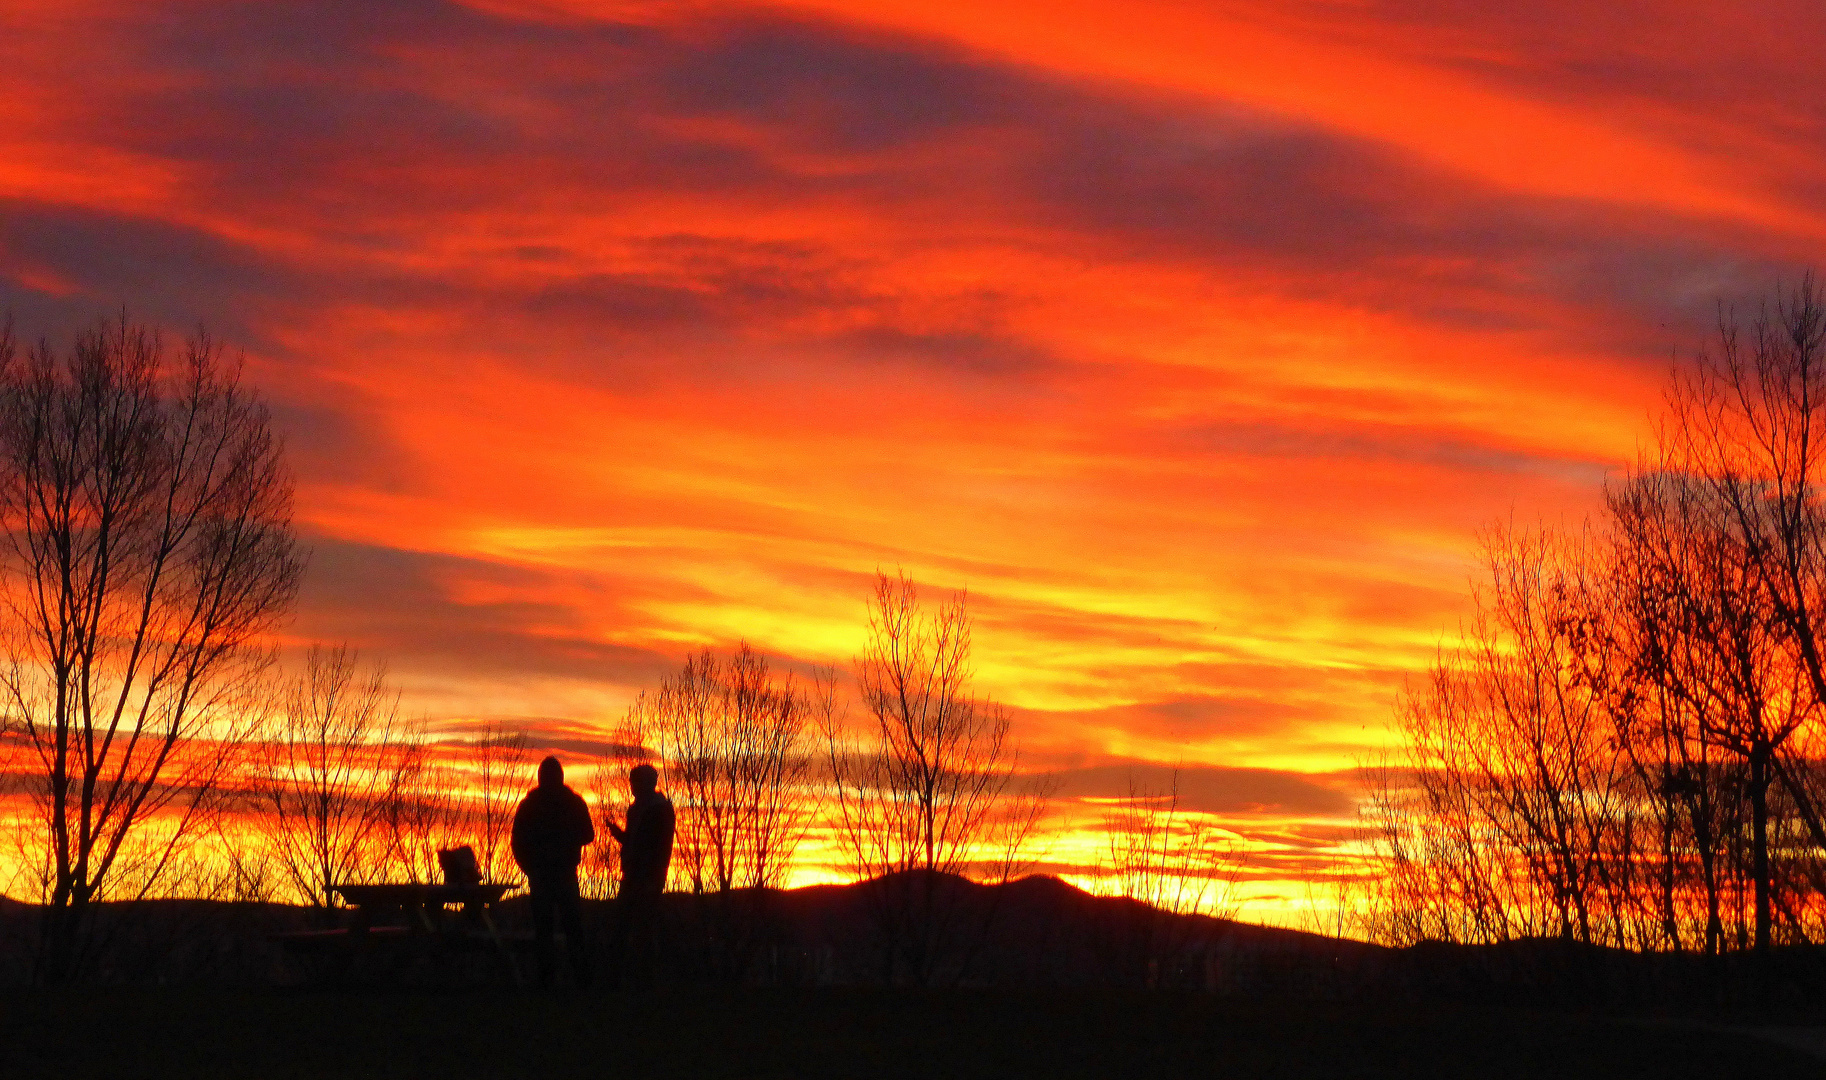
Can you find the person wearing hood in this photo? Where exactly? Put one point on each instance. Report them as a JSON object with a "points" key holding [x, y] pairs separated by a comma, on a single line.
{"points": [[551, 829]]}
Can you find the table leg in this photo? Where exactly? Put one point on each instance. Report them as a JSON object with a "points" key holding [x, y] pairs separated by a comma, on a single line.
{"points": [[513, 969], [423, 912]]}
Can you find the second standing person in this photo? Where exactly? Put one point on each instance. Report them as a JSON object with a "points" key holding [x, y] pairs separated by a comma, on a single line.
{"points": [[646, 855]]}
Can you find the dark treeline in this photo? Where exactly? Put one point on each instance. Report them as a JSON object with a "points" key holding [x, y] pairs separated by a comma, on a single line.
{"points": [[1624, 748]]}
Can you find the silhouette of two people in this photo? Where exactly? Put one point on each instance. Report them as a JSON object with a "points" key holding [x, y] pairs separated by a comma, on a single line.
{"points": [[551, 829], [646, 854]]}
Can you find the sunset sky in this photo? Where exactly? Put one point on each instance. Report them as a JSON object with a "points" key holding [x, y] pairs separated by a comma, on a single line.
{"points": [[1196, 340]]}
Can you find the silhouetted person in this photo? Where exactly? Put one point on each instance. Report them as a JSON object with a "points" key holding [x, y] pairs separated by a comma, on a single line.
{"points": [[551, 829], [646, 854]]}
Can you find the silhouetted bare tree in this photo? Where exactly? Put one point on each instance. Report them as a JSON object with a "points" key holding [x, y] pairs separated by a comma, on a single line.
{"points": [[1688, 791], [427, 806], [501, 768], [932, 791], [1515, 803], [732, 734], [147, 512], [334, 776], [1713, 647], [1170, 864], [1626, 747], [1730, 512]]}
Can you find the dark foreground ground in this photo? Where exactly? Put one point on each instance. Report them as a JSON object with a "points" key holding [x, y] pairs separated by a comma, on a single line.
{"points": [[838, 1033]]}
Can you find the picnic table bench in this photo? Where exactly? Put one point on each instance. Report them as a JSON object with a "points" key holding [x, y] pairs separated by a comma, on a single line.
{"points": [[412, 916]]}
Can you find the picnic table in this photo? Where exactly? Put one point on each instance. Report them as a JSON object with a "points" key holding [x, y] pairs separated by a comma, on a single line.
{"points": [[414, 916], [421, 905]]}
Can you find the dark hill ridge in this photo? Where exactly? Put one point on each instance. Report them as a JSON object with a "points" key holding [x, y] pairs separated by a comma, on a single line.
{"points": [[1039, 930], [1033, 932]]}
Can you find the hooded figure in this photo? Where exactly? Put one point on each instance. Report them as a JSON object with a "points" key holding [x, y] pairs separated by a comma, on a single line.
{"points": [[551, 829]]}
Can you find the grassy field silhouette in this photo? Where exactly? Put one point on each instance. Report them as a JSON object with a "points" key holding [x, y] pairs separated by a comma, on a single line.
{"points": [[848, 1033]]}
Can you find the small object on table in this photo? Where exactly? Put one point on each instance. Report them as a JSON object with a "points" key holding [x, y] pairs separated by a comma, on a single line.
{"points": [[459, 866]]}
